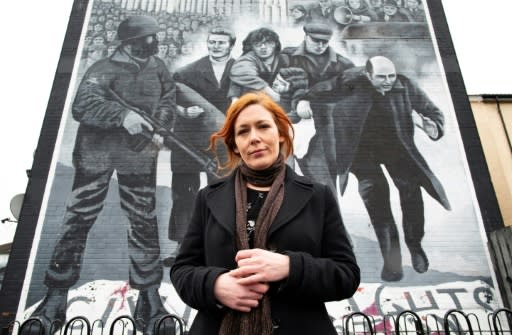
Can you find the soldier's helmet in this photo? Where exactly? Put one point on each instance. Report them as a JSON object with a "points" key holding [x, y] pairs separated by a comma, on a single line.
{"points": [[137, 26]]}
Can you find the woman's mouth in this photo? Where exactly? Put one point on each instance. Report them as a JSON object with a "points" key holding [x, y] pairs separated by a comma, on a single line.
{"points": [[257, 153]]}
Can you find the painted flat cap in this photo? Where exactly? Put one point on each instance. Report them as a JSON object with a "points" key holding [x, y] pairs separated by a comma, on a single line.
{"points": [[318, 31], [137, 26]]}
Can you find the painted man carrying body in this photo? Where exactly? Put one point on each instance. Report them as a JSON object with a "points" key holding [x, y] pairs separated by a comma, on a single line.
{"points": [[208, 77], [375, 127]]}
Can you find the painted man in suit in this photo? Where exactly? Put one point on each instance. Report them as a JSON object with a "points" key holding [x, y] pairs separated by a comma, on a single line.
{"points": [[209, 77], [375, 128]]}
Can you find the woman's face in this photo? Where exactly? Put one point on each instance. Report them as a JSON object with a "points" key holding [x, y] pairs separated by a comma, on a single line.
{"points": [[264, 49], [257, 138]]}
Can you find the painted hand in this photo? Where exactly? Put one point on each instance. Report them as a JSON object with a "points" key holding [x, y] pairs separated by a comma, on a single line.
{"points": [[304, 109], [193, 112], [134, 123], [430, 128]]}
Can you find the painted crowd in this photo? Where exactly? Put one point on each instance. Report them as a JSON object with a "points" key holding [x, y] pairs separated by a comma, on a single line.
{"points": [[179, 32]]}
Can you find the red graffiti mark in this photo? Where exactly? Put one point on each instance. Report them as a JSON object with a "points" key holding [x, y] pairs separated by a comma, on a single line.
{"points": [[122, 292], [371, 310], [384, 327]]}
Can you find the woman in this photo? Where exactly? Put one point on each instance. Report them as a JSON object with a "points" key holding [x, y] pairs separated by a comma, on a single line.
{"points": [[271, 273], [257, 68]]}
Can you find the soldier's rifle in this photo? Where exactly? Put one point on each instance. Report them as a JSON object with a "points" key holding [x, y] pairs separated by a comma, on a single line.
{"points": [[169, 138]]}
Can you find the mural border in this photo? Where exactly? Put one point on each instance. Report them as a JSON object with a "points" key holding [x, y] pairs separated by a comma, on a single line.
{"points": [[34, 194]]}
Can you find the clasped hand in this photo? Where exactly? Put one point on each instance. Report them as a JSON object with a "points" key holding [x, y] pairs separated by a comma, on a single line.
{"points": [[242, 289]]}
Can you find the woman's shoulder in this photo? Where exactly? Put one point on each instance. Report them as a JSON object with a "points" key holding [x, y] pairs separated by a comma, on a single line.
{"points": [[218, 183]]}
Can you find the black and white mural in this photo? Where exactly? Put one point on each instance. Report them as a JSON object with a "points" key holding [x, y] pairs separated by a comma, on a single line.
{"points": [[363, 82]]}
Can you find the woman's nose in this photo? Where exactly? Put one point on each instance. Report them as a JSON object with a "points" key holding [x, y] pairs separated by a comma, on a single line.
{"points": [[254, 137]]}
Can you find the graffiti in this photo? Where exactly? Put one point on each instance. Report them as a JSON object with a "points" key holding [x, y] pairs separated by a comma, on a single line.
{"points": [[95, 301], [392, 301]]}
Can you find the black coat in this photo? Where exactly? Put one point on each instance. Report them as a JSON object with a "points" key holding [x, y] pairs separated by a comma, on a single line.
{"points": [[308, 228]]}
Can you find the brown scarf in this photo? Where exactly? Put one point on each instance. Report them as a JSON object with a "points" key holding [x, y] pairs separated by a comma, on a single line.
{"points": [[258, 321]]}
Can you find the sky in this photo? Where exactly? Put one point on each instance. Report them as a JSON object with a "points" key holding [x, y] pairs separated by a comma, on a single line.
{"points": [[32, 33]]}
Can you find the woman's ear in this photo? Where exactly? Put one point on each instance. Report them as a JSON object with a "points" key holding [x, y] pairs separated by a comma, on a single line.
{"points": [[235, 150]]}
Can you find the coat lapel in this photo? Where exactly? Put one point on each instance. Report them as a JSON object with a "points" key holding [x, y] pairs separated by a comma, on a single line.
{"points": [[221, 201], [205, 67], [297, 192], [225, 76]]}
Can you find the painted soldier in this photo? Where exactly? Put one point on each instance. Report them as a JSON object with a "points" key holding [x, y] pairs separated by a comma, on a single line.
{"points": [[110, 105]]}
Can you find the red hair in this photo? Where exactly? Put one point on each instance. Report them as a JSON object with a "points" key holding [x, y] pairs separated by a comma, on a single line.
{"points": [[227, 132]]}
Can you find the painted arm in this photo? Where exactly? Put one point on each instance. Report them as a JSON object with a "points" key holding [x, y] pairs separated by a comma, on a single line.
{"points": [[92, 105], [432, 117]]}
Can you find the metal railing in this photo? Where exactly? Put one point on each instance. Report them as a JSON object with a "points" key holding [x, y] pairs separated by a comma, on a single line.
{"points": [[454, 322]]}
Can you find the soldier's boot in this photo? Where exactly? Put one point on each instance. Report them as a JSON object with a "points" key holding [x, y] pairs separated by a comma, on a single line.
{"points": [[51, 312], [149, 310]]}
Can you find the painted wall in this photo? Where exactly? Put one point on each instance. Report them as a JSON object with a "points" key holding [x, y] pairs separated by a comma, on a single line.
{"points": [[459, 274]]}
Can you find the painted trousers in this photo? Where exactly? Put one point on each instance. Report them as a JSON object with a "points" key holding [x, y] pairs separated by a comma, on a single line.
{"points": [[374, 190], [319, 163], [138, 201]]}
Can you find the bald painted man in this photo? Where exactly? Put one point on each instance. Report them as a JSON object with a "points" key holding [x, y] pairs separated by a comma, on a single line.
{"points": [[374, 127]]}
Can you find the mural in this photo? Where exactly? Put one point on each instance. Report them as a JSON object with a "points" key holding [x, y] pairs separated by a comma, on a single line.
{"points": [[374, 120]]}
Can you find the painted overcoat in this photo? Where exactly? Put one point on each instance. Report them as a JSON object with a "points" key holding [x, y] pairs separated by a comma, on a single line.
{"points": [[308, 228], [405, 97], [249, 73], [200, 77], [196, 85]]}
